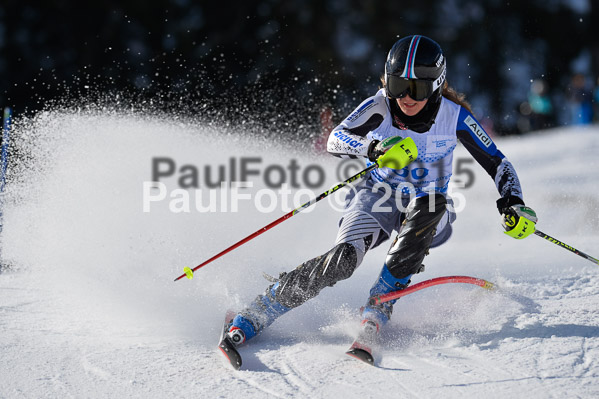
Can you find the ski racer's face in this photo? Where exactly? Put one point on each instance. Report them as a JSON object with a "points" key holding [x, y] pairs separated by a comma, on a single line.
{"points": [[409, 106]]}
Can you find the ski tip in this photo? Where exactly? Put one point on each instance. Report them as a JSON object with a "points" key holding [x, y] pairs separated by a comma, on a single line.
{"points": [[362, 355], [228, 350], [188, 272]]}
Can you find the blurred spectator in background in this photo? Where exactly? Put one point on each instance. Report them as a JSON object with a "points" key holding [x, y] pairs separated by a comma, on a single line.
{"points": [[537, 112], [326, 126], [579, 97]]}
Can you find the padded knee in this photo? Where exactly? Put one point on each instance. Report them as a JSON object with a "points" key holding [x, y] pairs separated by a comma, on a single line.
{"points": [[309, 278], [414, 239]]}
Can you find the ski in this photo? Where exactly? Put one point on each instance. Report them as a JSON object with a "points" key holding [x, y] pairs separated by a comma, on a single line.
{"points": [[361, 349], [361, 352], [226, 345]]}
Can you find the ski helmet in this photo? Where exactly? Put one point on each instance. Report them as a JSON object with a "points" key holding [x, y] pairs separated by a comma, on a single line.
{"points": [[415, 66]]}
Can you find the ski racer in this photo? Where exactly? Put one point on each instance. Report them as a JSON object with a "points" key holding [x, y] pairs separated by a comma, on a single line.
{"points": [[416, 101]]}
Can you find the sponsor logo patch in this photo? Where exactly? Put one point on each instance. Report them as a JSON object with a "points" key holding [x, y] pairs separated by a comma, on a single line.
{"points": [[347, 139], [440, 144], [439, 61], [440, 79], [478, 131]]}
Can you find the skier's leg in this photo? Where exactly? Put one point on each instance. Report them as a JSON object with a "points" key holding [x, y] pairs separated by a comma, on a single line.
{"points": [[407, 252], [294, 288], [357, 232], [386, 282]]}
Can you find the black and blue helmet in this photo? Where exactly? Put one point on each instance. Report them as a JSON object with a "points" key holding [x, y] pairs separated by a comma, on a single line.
{"points": [[415, 66]]}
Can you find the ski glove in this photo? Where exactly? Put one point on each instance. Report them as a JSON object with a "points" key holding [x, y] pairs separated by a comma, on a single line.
{"points": [[518, 220], [377, 148]]}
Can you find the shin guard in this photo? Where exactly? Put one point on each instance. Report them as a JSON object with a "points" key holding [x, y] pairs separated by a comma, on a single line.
{"points": [[416, 234]]}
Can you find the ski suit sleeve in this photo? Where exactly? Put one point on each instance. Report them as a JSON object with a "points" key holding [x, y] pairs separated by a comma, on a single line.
{"points": [[478, 143], [349, 140]]}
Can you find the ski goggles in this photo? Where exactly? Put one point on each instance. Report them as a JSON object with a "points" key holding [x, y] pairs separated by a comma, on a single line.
{"points": [[418, 89]]}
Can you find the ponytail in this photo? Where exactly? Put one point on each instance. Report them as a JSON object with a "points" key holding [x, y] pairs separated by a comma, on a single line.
{"points": [[459, 98]]}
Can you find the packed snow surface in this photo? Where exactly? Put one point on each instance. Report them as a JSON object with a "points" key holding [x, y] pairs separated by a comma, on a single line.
{"points": [[89, 308]]}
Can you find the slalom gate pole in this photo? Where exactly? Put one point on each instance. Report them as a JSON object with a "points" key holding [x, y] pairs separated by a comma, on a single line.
{"points": [[377, 300], [398, 157], [566, 246]]}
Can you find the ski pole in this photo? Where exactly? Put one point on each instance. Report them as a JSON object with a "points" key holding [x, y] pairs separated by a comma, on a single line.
{"points": [[566, 246], [397, 157]]}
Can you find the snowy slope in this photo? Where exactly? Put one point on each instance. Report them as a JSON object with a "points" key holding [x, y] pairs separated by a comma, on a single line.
{"points": [[89, 307]]}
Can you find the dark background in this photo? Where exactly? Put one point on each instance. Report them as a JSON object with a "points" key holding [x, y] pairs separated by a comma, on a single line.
{"points": [[276, 65]]}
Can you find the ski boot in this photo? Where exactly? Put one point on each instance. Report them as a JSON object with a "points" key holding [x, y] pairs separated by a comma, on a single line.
{"points": [[245, 325], [374, 317]]}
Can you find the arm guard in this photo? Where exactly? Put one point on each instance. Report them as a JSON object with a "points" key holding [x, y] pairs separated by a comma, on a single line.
{"points": [[349, 139]]}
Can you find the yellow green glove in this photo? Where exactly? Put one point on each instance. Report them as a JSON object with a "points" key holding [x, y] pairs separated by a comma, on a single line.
{"points": [[378, 148], [519, 221]]}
